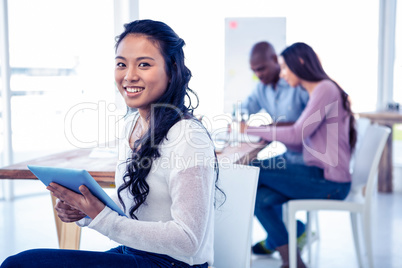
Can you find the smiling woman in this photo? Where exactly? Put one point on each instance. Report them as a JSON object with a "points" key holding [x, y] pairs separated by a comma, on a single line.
{"points": [[165, 182]]}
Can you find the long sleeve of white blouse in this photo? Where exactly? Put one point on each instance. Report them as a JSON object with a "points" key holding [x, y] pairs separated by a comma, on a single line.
{"points": [[177, 217]]}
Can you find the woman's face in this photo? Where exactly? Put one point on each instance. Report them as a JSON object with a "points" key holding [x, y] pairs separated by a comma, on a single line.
{"points": [[140, 72], [287, 74]]}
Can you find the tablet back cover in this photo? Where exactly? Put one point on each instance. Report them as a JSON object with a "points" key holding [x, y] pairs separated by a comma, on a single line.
{"points": [[73, 179]]}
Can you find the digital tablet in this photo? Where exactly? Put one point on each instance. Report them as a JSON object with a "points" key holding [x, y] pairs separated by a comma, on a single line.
{"points": [[73, 179]]}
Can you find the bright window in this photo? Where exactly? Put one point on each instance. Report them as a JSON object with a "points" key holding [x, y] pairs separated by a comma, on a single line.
{"points": [[61, 56], [398, 55]]}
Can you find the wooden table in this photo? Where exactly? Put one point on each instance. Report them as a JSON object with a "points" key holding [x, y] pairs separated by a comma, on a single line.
{"points": [[387, 118], [103, 171], [101, 168]]}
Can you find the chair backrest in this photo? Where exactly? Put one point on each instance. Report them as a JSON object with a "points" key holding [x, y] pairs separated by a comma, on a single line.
{"points": [[367, 158], [362, 124], [234, 219]]}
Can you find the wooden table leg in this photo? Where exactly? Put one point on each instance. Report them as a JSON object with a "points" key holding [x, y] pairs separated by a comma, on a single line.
{"points": [[68, 234], [385, 169]]}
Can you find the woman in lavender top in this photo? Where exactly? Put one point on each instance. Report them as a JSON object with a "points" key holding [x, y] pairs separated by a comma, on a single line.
{"points": [[326, 132]]}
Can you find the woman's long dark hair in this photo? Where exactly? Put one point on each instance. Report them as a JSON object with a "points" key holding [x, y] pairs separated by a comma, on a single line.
{"points": [[165, 112], [304, 63]]}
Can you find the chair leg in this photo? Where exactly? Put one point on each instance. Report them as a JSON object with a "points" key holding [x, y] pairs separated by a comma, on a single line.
{"points": [[311, 219], [309, 235], [285, 214], [356, 238], [367, 237], [317, 227], [292, 237]]}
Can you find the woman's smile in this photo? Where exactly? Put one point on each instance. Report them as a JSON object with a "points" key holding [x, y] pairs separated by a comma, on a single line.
{"points": [[134, 89]]}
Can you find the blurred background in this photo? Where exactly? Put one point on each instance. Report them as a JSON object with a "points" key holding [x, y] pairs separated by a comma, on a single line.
{"points": [[62, 94], [61, 56]]}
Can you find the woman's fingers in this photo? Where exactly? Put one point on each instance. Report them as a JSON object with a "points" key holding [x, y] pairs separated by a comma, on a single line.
{"points": [[59, 191], [94, 205], [62, 206], [65, 194], [70, 218], [67, 213], [87, 202], [67, 207]]}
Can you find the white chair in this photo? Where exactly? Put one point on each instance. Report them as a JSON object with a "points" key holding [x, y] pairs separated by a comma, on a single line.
{"points": [[234, 219], [365, 173], [311, 217]]}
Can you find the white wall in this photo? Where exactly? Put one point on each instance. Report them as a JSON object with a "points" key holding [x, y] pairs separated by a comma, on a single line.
{"points": [[240, 35], [344, 34]]}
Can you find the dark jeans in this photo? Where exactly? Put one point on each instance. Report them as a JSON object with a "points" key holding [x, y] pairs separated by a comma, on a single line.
{"points": [[281, 181], [120, 257], [300, 229]]}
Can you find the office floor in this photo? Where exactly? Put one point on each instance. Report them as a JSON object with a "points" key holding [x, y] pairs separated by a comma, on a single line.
{"points": [[27, 222], [335, 248]]}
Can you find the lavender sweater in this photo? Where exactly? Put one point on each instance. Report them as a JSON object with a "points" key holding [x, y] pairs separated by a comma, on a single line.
{"points": [[322, 130]]}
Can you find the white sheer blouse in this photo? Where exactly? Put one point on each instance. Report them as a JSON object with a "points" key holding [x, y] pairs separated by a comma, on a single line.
{"points": [[177, 218]]}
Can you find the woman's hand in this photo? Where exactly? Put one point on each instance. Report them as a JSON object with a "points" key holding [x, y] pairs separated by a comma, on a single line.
{"points": [[86, 203], [67, 213], [242, 127]]}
